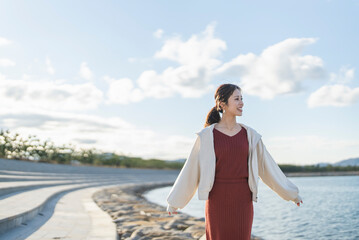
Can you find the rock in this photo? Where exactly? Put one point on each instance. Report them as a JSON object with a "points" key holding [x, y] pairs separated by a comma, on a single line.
{"points": [[196, 231], [177, 224], [149, 233], [203, 237], [140, 223], [170, 238], [146, 214]]}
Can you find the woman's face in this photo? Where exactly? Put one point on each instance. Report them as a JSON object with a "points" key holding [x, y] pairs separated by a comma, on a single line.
{"points": [[235, 104]]}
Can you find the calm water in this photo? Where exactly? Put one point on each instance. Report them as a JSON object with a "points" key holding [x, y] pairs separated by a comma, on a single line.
{"points": [[330, 209]]}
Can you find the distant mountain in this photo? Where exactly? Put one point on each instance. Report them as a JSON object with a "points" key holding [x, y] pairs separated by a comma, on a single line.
{"points": [[181, 160], [348, 162], [343, 163], [323, 164]]}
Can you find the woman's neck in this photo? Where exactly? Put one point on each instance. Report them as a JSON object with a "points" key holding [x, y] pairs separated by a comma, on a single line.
{"points": [[228, 122]]}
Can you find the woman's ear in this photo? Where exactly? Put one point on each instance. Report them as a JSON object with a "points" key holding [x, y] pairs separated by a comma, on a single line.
{"points": [[222, 105]]}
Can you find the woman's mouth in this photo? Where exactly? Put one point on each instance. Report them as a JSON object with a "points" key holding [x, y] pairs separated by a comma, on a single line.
{"points": [[240, 109]]}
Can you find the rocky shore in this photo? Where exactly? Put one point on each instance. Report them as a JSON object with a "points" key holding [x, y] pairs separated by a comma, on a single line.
{"points": [[138, 219]]}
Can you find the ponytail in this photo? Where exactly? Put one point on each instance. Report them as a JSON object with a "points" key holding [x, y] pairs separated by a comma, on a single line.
{"points": [[212, 117]]}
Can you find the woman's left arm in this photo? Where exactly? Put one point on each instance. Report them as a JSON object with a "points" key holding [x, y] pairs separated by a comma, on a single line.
{"points": [[273, 177]]}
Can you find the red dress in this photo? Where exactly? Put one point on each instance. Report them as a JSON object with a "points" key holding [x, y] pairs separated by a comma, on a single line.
{"points": [[229, 208]]}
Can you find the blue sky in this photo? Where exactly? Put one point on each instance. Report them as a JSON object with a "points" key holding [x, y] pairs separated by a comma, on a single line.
{"points": [[138, 77]]}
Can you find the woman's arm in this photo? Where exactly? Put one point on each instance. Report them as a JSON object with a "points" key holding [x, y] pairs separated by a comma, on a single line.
{"points": [[187, 181], [273, 177]]}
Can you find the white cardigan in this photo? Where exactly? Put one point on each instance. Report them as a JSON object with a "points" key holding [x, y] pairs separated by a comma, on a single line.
{"points": [[199, 171]]}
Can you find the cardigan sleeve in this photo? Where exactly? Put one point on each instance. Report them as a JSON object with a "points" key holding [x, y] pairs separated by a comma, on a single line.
{"points": [[273, 177], [187, 181]]}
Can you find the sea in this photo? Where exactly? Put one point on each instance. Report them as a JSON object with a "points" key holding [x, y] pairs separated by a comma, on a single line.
{"points": [[330, 209]]}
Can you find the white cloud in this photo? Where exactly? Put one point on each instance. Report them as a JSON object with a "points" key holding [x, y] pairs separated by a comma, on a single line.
{"points": [[4, 41], [192, 78], [122, 91], [85, 71], [199, 50], [107, 134], [154, 85], [50, 69], [26, 93], [6, 62], [279, 69], [346, 75], [333, 95], [158, 33]]}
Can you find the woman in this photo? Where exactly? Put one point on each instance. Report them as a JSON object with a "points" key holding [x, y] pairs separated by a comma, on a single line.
{"points": [[225, 163]]}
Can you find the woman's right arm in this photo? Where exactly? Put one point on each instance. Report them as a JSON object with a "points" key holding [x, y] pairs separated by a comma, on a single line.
{"points": [[187, 181]]}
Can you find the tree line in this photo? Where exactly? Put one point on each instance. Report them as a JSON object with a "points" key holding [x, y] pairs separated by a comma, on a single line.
{"points": [[13, 146]]}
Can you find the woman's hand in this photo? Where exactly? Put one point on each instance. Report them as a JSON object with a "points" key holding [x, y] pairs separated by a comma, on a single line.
{"points": [[172, 210], [298, 204], [169, 213]]}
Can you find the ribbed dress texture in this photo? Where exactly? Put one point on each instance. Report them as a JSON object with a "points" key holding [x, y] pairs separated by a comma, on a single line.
{"points": [[229, 208]]}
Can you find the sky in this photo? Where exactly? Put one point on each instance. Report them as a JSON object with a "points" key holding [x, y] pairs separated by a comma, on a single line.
{"points": [[138, 77]]}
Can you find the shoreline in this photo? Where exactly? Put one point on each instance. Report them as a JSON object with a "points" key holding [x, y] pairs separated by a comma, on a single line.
{"points": [[322, 174], [137, 218]]}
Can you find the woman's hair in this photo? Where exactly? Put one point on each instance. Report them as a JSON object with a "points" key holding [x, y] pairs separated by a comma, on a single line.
{"points": [[222, 94]]}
